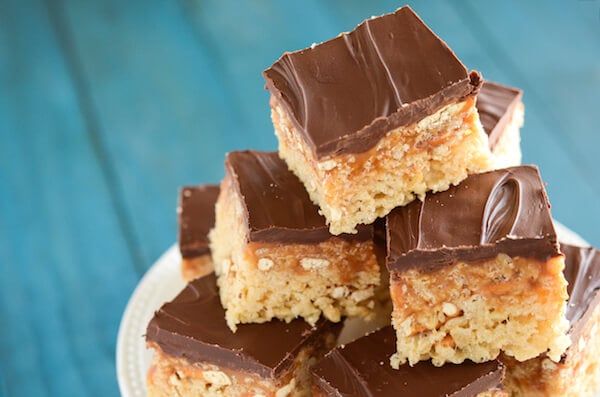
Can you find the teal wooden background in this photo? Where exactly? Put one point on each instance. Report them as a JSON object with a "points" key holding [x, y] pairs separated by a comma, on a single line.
{"points": [[107, 107]]}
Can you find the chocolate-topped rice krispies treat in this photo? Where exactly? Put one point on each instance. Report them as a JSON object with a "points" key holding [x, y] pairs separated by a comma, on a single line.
{"points": [[362, 369], [501, 112], [273, 254], [196, 216], [196, 354], [374, 118], [477, 269]]}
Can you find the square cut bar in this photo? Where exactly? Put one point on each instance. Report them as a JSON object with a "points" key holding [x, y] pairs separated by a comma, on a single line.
{"points": [[196, 215], [477, 269], [274, 255], [501, 112], [376, 117], [196, 354], [362, 369], [578, 372]]}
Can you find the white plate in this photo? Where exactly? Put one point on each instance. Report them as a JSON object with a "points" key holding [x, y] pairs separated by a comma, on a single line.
{"points": [[162, 283]]}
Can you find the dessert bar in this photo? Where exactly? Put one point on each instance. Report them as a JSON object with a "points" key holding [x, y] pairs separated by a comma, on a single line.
{"points": [[362, 369], [273, 254], [374, 118], [477, 269], [196, 213], [578, 372], [501, 112], [197, 354]]}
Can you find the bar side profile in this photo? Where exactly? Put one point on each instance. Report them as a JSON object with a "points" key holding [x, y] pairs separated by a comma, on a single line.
{"points": [[578, 372], [274, 255], [476, 270]]}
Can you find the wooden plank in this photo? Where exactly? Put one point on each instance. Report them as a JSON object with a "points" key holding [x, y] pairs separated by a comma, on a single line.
{"points": [[246, 39], [3, 390], [66, 272], [163, 110]]}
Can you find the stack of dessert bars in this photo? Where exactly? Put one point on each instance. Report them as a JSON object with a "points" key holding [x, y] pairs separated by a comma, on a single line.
{"points": [[392, 246]]}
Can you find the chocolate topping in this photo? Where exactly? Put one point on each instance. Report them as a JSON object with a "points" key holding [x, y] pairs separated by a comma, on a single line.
{"points": [[345, 94], [196, 218], [277, 206], [362, 369], [582, 272], [379, 240], [502, 211], [495, 105], [193, 326]]}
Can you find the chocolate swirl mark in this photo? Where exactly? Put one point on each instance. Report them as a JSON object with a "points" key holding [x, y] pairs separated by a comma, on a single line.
{"points": [[391, 99], [295, 94], [362, 56], [190, 298], [582, 271], [501, 211], [352, 382]]}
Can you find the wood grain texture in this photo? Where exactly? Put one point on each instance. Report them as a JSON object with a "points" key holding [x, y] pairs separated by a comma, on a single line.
{"points": [[163, 111], [65, 270], [109, 106]]}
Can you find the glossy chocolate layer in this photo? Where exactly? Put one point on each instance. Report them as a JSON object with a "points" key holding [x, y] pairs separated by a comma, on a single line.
{"points": [[196, 217], [345, 94], [502, 211], [582, 272], [277, 206], [495, 105], [193, 326], [362, 369]]}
